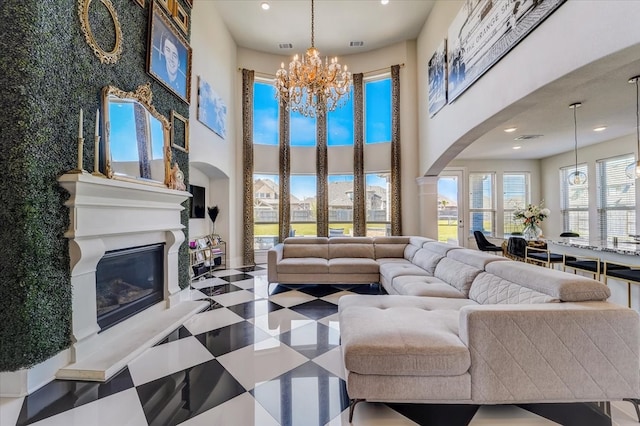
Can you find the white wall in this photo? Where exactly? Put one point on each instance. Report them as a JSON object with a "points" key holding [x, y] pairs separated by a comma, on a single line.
{"points": [[576, 34], [214, 59], [341, 159]]}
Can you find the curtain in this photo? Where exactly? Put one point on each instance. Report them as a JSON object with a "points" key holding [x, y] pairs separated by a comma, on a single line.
{"points": [[247, 160], [359, 186], [322, 171], [396, 216], [284, 206]]}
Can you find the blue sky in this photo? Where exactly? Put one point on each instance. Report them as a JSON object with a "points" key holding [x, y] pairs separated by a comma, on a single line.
{"points": [[305, 185], [123, 144]]}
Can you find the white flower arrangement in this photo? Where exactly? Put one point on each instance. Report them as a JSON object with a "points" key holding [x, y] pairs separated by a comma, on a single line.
{"points": [[533, 214]]}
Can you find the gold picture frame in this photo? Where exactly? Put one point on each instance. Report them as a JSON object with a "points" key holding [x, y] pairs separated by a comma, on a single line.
{"points": [[189, 3], [140, 2], [167, 5], [106, 57], [181, 17], [179, 124]]}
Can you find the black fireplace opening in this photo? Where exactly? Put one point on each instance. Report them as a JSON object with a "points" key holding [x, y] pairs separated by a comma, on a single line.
{"points": [[128, 281]]}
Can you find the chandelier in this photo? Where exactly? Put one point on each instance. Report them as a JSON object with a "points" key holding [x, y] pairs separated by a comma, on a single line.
{"points": [[577, 177], [311, 87]]}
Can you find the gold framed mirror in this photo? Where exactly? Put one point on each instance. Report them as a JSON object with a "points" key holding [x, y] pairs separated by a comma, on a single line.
{"points": [[136, 137]]}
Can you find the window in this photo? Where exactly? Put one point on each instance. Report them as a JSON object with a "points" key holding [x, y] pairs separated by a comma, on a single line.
{"points": [[515, 194], [340, 124], [265, 114], [340, 190], [266, 191], [377, 203], [377, 109], [303, 204], [302, 130], [574, 202], [616, 198], [482, 203]]}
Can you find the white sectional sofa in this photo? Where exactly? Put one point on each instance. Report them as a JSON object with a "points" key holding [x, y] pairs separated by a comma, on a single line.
{"points": [[461, 326]]}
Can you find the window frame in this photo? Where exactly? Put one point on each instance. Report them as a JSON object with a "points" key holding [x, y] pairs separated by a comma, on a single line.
{"points": [[603, 188], [491, 210]]}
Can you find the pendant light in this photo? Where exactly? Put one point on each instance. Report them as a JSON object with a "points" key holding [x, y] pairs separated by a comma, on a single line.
{"points": [[633, 170], [576, 177]]}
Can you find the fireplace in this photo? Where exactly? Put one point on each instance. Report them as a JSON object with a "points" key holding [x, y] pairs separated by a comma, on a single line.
{"points": [[127, 282]]}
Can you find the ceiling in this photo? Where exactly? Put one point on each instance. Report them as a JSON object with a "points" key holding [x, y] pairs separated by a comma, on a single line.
{"points": [[602, 87]]}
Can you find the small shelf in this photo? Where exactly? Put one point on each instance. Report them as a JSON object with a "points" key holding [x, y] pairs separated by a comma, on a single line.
{"points": [[206, 254]]}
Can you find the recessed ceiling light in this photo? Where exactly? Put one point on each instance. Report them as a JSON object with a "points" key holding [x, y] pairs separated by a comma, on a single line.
{"points": [[599, 129], [264, 5], [517, 147], [510, 129], [384, 1]]}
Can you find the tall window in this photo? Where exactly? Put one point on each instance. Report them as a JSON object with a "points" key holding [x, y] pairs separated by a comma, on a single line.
{"points": [[340, 189], [340, 124], [266, 196], [482, 202], [265, 114], [303, 205], [377, 119], [574, 202], [377, 203], [302, 130], [616, 198], [515, 194]]}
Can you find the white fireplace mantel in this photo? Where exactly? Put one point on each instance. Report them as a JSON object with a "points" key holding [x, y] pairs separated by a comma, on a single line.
{"points": [[105, 215]]}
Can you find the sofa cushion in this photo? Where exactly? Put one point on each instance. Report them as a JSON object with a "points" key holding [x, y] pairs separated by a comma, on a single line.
{"points": [[308, 265], [379, 336], [389, 247], [561, 285], [456, 273], [427, 260], [391, 270], [489, 289], [393, 260], [474, 258], [306, 247], [351, 247], [410, 251], [351, 265], [411, 285]]}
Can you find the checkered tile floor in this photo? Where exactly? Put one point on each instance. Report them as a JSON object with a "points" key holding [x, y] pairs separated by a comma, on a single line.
{"points": [[260, 355]]}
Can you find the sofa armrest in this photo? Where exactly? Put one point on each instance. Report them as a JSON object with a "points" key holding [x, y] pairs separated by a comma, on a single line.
{"points": [[552, 352], [274, 256]]}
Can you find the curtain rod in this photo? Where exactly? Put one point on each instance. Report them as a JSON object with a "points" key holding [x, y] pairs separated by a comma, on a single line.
{"points": [[272, 76]]}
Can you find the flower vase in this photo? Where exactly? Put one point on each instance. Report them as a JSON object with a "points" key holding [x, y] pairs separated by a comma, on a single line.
{"points": [[531, 232]]}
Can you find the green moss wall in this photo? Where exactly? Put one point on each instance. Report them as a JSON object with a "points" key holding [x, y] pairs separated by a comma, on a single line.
{"points": [[49, 73]]}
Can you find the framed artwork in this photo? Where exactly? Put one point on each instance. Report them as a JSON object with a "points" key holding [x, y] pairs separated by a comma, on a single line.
{"points": [[189, 3], [200, 256], [168, 54], [203, 242], [181, 18], [438, 79], [484, 31], [179, 132], [212, 112], [140, 2], [167, 5]]}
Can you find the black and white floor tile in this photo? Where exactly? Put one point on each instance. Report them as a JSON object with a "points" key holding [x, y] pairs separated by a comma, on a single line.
{"points": [[260, 355]]}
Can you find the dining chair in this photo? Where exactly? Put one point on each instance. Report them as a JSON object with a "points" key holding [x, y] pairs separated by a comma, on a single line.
{"points": [[484, 244]]}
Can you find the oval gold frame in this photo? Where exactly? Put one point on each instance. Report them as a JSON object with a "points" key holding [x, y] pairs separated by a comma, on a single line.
{"points": [[104, 56]]}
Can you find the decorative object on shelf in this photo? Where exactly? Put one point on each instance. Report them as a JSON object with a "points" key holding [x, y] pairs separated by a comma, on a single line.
{"points": [[176, 180], [79, 169], [168, 55], [106, 57], [309, 87], [577, 177], [213, 215], [438, 79], [633, 170], [179, 132], [212, 112], [206, 254], [531, 217]]}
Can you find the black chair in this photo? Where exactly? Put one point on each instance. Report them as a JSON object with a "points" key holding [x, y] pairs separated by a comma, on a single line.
{"points": [[592, 265], [543, 256], [569, 235], [484, 245], [627, 273], [516, 248]]}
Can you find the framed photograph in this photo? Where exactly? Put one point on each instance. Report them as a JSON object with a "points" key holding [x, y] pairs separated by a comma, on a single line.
{"points": [[438, 79], [203, 242], [189, 3], [200, 256], [484, 31], [140, 2], [181, 18], [168, 54], [212, 112], [179, 132]]}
